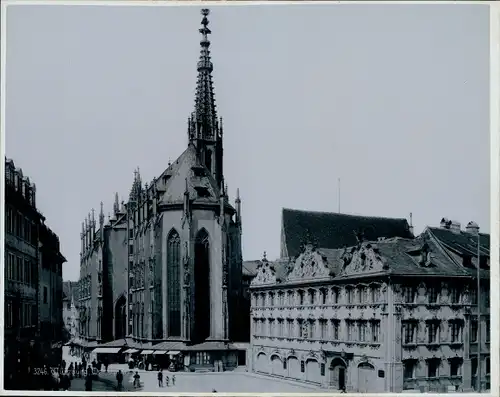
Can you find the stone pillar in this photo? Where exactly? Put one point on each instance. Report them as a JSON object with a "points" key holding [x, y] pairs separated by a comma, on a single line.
{"points": [[467, 364]]}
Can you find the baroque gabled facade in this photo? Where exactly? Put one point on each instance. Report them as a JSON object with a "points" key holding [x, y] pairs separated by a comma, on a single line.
{"points": [[380, 316], [181, 248]]}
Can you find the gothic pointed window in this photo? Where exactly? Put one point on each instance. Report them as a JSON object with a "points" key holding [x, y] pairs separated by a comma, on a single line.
{"points": [[173, 277]]}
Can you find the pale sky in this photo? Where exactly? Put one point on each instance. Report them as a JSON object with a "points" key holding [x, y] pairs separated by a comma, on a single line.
{"points": [[392, 99]]}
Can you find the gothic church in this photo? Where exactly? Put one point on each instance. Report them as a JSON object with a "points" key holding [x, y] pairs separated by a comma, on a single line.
{"points": [[181, 248]]}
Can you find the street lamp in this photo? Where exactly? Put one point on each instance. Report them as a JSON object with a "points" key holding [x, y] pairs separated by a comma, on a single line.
{"points": [[478, 314]]}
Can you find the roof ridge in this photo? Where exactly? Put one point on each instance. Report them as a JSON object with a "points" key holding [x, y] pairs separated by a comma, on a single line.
{"points": [[342, 214]]}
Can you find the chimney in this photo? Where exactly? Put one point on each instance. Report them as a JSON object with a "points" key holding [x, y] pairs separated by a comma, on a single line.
{"points": [[472, 228], [455, 226], [445, 223]]}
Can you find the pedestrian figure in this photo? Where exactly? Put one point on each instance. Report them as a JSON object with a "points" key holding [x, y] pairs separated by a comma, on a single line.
{"points": [[160, 378], [137, 378], [173, 380], [63, 365], [119, 379], [88, 382], [167, 380], [89, 371]]}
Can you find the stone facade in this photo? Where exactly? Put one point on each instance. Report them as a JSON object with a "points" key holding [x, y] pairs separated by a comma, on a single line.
{"points": [[383, 316], [170, 258], [33, 264], [70, 308]]}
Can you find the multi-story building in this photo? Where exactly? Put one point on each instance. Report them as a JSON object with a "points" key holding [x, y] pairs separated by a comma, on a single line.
{"points": [[50, 290], [379, 316], [179, 243], [103, 278], [70, 308], [23, 275]]}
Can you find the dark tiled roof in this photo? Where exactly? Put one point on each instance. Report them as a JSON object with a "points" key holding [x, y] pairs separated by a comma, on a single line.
{"points": [[464, 243], [460, 244], [333, 230], [249, 268], [183, 169]]}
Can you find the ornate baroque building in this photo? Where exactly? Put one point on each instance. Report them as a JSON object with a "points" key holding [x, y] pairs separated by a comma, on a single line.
{"points": [[181, 248], [386, 315]]}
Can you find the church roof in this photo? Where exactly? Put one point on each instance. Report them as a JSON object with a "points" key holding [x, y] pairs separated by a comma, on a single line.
{"points": [[70, 290], [334, 230], [187, 173]]}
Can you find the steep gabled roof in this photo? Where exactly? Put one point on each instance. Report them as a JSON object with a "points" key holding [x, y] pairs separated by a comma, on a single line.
{"points": [[188, 173], [333, 230]]}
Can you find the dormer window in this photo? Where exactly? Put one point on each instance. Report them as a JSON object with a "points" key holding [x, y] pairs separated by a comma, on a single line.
{"points": [[166, 178], [202, 191], [198, 171]]}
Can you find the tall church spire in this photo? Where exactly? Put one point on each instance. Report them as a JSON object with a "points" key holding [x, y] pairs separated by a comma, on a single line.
{"points": [[203, 122], [204, 129]]}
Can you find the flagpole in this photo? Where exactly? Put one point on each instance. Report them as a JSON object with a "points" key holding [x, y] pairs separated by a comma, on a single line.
{"points": [[478, 316], [339, 193]]}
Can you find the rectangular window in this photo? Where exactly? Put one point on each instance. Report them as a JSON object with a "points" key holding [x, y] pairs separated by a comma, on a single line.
{"points": [[130, 233], [350, 329], [302, 329], [433, 294], [19, 269], [487, 330], [335, 329], [432, 368], [322, 369], [432, 332], [290, 298], [281, 327], [455, 296], [375, 330], [410, 294], [350, 296], [455, 367], [374, 294], [362, 331], [130, 249], [335, 296], [301, 298], [302, 366], [281, 298], [410, 332], [473, 331], [289, 326], [45, 294], [361, 295], [323, 329], [272, 328], [8, 219], [312, 297], [27, 271], [487, 365], [271, 299], [323, 296], [409, 369], [455, 330]]}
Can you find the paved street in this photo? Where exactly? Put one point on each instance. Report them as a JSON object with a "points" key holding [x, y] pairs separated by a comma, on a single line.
{"points": [[226, 382]]}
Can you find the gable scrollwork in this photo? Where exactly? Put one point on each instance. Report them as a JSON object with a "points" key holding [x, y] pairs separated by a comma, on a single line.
{"points": [[266, 273], [362, 259], [309, 265]]}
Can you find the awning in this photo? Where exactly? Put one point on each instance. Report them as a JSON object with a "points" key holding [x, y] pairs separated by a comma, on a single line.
{"points": [[130, 351], [174, 352], [147, 352], [160, 352], [109, 350]]}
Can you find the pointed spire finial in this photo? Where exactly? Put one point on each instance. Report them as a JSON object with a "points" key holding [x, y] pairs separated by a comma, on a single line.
{"points": [[116, 205], [237, 193]]}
